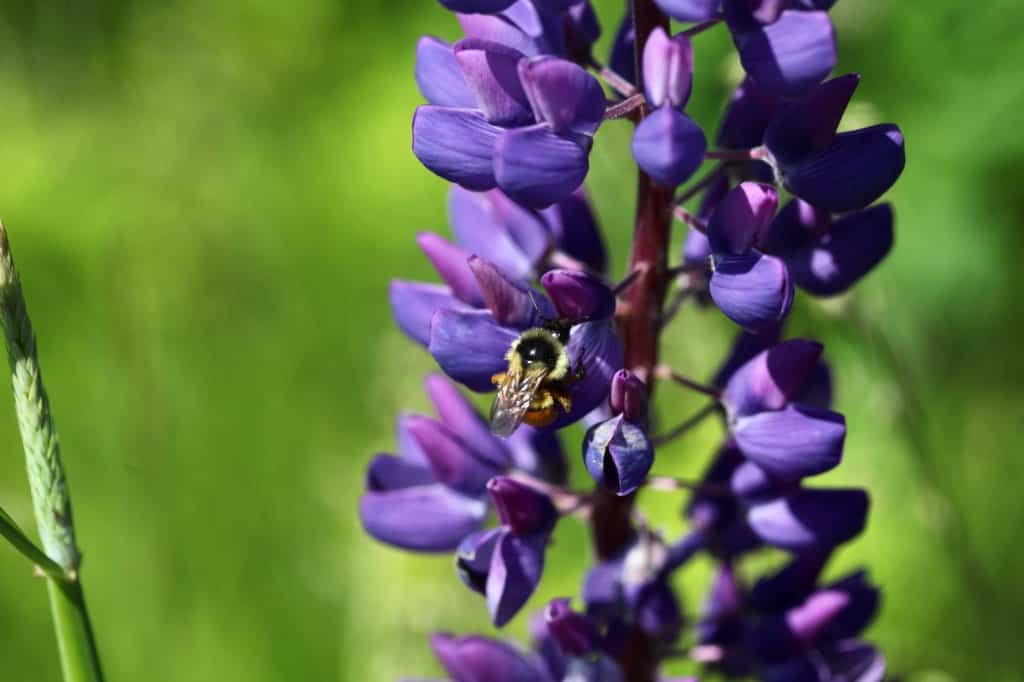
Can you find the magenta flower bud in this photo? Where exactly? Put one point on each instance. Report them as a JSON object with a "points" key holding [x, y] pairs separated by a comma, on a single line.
{"points": [[578, 296], [522, 509], [668, 69], [628, 396], [575, 634]]}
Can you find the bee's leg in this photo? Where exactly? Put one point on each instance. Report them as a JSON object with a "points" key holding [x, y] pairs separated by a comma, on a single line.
{"points": [[561, 395], [498, 379]]}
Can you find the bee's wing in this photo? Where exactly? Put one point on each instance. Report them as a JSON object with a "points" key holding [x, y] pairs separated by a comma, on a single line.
{"points": [[512, 403]]}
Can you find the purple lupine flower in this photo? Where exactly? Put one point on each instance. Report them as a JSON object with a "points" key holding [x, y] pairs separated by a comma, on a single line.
{"points": [[617, 452], [529, 132], [505, 563], [668, 145], [752, 289], [471, 346], [835, 172], [481, 659], [534, 27]]}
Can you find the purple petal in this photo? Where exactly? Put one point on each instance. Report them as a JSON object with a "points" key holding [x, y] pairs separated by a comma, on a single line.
{"points": [[429, 518], [749, 12], [491, 73], [452, 264], [725, 599], [628, 396], [864, 599], [480, 226], [621, 58], [781, 637], [575, 634], [575, 230], [618, 455], [754, 290], [515, 572], [743, 349], [470, 346], [457, 144], [688, 10], [856, 244], [796, 226], [473, 558], [387, 472], [742, 217], [669, 146], [750, 111], [459, 415], [499, 29], [527, 228], [521, 508], [793, 442], [452, 462], [538, 453], [578, 296], [668, 69], [477, 6], [752, 483], [543, 22], [791, 54], [811, 519], [512, 304], [582, 29], [770, 379], [479, 659], [809, 124], [563, 95], [595, 346], [789, 586], [856, 661], [438, 75], [696, 247], [538, 168], [413, 305], [857, 168]]}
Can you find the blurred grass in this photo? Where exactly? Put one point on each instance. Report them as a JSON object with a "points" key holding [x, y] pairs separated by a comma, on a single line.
{"points": [[206, 201]]}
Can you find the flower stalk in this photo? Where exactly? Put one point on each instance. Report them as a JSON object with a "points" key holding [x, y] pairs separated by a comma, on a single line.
{"points": [[47, 481]]}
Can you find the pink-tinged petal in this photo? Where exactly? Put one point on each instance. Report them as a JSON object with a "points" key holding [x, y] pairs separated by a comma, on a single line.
{"points": [[456, 144], [491, 73], [516, 569], [480, 229], [753, 290], [811, 520], [438, 75], [771, 378], [669, 146], [628, 396], [470, 346], [452, 264], [451, 460], [742, 217], [388, 472], [790, 55], [413, 305], [538, 168], [578, 296], [512, 304], [563, 95], [793, 442], [668, 69], [480, 659], [459, 415], [428, 518]]}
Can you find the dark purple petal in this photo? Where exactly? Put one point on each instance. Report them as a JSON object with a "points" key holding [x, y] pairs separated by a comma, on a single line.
{"points": [[811, 519], [688, 10], [770, 379], [754, 290], [621, 58], [628, 396], [546, 647], [808, 125], [491, 72], [515, 572], [452, 462], [438, 75], [576, 636], [817, 390], [473, 558], [856, 662], [538, 168], [742, 217], [428, 518], [668, 69], [857, 168], [696, 247], [459, 415], [388, 472], [477, 6], [856, 244], [512, 304], [669, 146], [750, 111], [521, 508], [791, 54], [753, 484], [413, 305], [793, 442], [618, 455], [725, 599], [578, 296], [864, 599], [575, 230], [796, 226], [785, 636], [597, 668], [748, 12], [791, 585], [452, 264], [470, 346], [479, 659], [457, 144], [563, 95], [657, 612], [483, 226], [582, 29], [595, 346], [743, 349], [538, 453]]}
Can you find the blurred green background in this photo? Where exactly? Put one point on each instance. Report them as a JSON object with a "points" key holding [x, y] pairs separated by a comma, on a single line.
{"points": [[206, 201]]}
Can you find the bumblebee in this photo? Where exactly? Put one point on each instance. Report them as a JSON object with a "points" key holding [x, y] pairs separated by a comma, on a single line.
{"points": [[537, 382]]}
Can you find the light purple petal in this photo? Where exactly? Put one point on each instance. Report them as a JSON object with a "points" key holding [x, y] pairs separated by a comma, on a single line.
{"points": [[473, 558], [539, 453], [790, 55], [563, 95], [538, 168], [575, 230], [459, 415], [688, 10], [413, 305], [477, 6], [742, 217], [793, 442], [438, 75], [597, 347], [388, 472], [578, 296], [457, 144], [809, 124], [480, 229], [430, 518], [491, 73], [451, 460], [512, 304], [668, 69], [470, 346], [452, 264], [499, 29], [522, 509], [811, 519], [479, 659], [754, 290], [771, 378], [669, 146], [791, 585], [857, 168], [515, 572], [754, 484]]}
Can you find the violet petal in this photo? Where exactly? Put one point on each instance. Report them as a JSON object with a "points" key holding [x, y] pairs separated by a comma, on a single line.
{"points": [[429, 518], [563, 95], [811, 519], [538, 168], [578, 296], [515, 572], [793, 442], [753, 290], [491, 72], [669, 146], [457, 144], [452, 264], [438, 75], [413, 305], [470, 346], [790, 55], [771, 378]]}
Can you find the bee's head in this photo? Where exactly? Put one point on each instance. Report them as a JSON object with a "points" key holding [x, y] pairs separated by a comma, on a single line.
{"points": [[539, 346]]}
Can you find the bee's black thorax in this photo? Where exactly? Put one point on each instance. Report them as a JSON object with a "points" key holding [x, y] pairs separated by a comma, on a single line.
{"points": [[539, 348]]}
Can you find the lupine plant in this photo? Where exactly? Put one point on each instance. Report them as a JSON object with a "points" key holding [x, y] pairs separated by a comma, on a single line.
{"points": [[785, 203]]}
